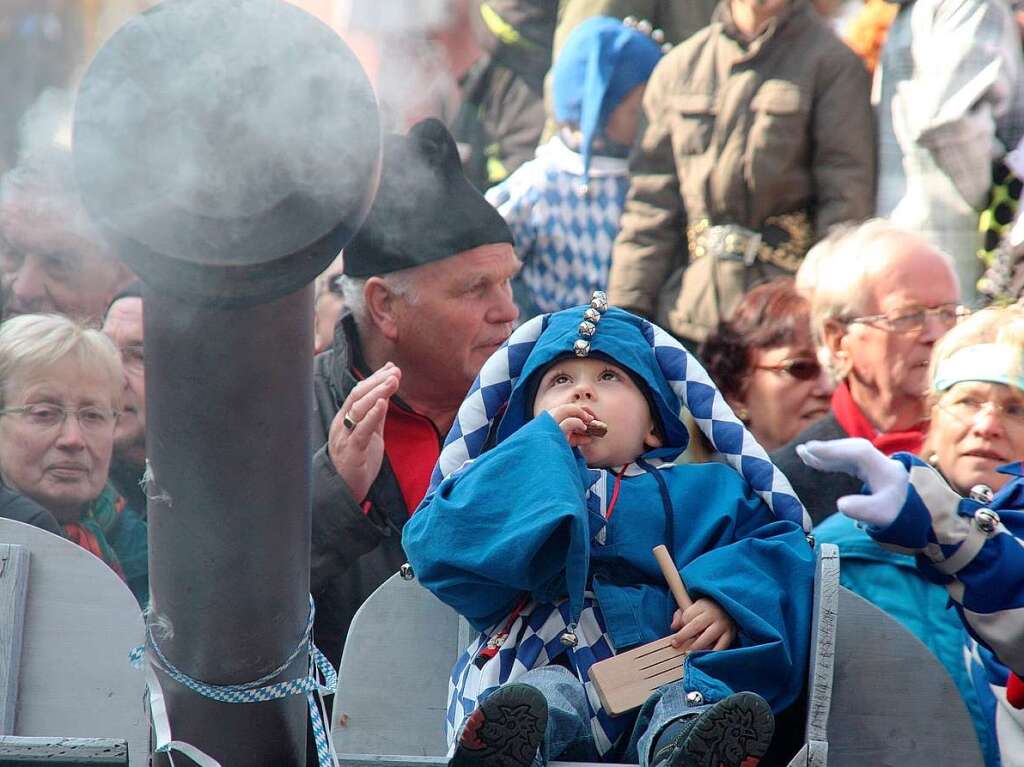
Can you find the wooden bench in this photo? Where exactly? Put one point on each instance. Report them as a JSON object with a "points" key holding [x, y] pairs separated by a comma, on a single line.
{"points": [[876, 695], [67, 692]]}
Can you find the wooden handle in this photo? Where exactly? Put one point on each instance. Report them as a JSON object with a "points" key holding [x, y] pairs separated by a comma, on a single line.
{"points": [[675, 583]]}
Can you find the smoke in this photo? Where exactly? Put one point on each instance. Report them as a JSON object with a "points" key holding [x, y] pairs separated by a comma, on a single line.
{"points": [[41, 185], [414, 77], [406, 16], [225, 131]]}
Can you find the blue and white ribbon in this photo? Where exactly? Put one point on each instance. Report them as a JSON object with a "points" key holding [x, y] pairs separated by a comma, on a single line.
{"points": [[319, 681]]}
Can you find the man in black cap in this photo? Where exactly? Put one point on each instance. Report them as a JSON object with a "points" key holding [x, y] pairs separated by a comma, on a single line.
{"points": [[427, 301]]}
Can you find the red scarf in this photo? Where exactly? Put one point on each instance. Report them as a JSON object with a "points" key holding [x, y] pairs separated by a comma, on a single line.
{"points": [[1015, 691], [856, 424]]}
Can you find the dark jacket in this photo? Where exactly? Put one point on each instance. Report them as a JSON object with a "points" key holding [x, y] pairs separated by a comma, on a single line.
{"points": [[500, 121], [819, 490], [352, 553], [127, 481], [21, 509]]}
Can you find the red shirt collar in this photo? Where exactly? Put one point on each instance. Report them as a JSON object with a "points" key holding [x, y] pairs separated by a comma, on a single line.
{"points": [[856, 424]]}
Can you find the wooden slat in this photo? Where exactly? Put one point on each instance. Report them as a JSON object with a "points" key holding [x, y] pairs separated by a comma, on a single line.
{"points": [[817, 753], [401, 643], [14, 562], [64, 752], [80, 623], [625, 681], [823, 642]]}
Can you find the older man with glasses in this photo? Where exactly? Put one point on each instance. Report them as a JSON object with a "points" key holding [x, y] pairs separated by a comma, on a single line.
{"points": [[882, 300]]}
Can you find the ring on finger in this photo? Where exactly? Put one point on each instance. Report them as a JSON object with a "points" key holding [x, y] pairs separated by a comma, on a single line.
{"points": [[348, 422]]}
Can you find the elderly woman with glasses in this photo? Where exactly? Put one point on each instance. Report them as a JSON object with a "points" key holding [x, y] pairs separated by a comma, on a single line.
{"points": [[977, 401], [967, 552], [60, 390], [766, 365]]}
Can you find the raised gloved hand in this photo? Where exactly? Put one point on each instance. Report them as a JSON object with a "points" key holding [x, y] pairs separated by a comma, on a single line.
{"points": [[887, 479]]}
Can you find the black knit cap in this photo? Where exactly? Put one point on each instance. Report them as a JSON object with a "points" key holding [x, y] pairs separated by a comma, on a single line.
{"points": [[425, 209]]}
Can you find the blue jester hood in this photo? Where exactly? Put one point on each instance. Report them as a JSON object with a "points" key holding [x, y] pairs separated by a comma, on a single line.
{"points": [[500, 400], [614, 335]]}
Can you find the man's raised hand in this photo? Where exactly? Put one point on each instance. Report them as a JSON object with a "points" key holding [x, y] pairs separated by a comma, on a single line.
{"points": [[355, 443]]}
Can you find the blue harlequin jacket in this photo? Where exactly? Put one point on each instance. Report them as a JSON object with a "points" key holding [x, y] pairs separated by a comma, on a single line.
{"points": [[979, 558], [529, 518]]}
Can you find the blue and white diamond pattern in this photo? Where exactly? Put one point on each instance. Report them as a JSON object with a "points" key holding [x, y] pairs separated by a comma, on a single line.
{"points": [[563, 234], [488, 394], [685, 375], [533, 642], [727, 434]]}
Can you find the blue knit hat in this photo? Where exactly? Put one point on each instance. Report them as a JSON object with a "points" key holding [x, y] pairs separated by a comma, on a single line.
{"points": [[601, 62]]}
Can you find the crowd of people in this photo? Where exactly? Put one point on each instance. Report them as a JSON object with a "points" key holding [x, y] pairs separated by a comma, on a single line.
{"points": [[749, 202]]}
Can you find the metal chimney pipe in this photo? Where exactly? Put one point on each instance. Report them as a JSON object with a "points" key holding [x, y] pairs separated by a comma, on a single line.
{"points": [[228, 149], [228, 398]]}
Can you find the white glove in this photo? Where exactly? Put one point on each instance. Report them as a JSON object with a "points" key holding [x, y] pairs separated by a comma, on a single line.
{"points": [[887, 478]]}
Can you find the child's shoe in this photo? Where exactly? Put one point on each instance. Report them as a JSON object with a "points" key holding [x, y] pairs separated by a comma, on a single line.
{"points": [[735, 732], [505, 730]]}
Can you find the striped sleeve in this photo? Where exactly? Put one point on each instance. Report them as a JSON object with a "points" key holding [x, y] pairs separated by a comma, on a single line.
{"points": [[975, 551]]}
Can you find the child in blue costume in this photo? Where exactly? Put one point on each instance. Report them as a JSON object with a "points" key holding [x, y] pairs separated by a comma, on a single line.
{"points": [[563, 206], [541, 536]]}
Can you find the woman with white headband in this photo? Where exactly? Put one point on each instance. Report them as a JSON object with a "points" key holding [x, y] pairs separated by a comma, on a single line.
{"points": [[977, 400], [972, 545]]}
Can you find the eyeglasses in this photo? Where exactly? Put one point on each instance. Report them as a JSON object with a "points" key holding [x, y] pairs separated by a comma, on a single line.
{"points": [[912, 320], [966, 409], [800, 369], [46, 416]]}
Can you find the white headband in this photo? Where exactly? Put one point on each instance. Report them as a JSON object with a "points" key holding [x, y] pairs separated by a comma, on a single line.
{"points": [[991, 363]]}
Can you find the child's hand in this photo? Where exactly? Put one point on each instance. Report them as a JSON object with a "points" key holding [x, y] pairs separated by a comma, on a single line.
{"points": [[704, 625], [572, 419]]}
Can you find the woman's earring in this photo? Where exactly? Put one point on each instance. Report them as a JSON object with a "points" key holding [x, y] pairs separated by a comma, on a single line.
{"points": [[933, 459], [743, 414]]}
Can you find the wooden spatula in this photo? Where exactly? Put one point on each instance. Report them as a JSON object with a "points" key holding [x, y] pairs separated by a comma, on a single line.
{"points": [[627, 680]]}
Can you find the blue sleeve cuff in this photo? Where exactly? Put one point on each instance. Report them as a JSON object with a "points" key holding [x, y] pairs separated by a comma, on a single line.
{"points": [[910, 529]]}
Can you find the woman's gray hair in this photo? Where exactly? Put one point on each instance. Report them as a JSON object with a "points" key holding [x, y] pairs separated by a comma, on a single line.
{"points": [[402, 283], [32, 343], [843, 274]]}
